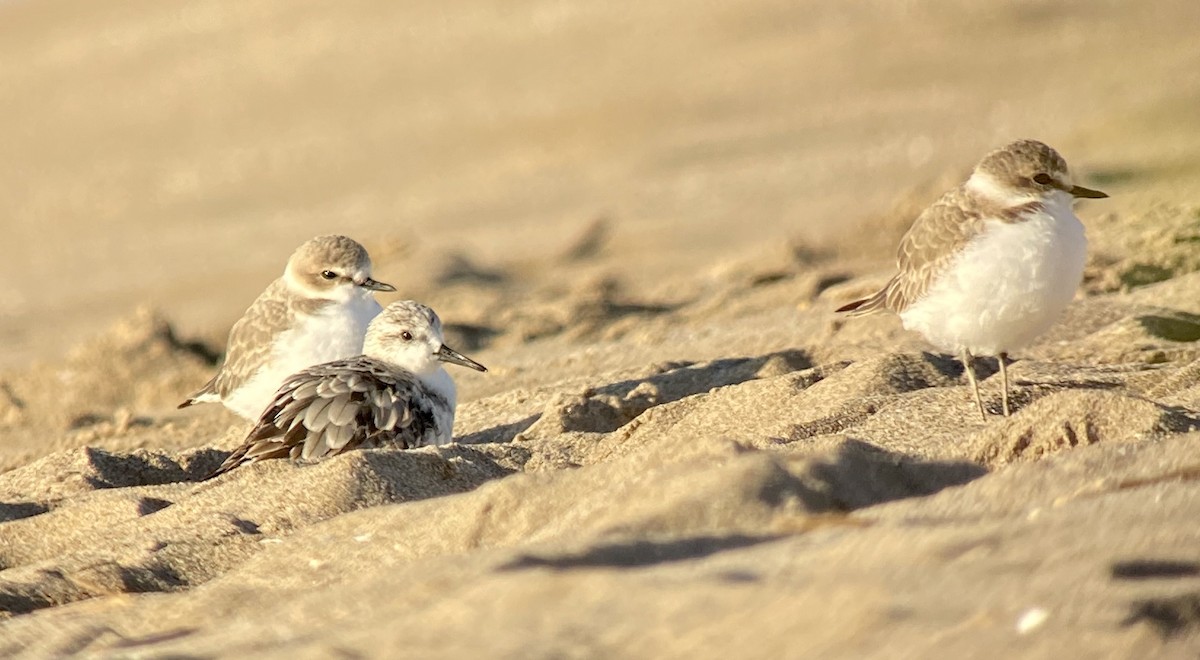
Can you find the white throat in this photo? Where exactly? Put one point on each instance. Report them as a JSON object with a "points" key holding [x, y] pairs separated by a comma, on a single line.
{"points": [[1060, 203]]}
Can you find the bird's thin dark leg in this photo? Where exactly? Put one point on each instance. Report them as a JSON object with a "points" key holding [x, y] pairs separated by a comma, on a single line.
{"points": [[966, 360], [1003, 358]]}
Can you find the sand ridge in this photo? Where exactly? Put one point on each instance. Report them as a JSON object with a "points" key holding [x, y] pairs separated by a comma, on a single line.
{"points": [[641, 217], [826, 470]]}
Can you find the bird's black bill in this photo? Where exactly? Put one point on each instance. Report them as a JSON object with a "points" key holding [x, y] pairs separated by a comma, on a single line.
{"points": [[376, 285], [1088, 193], [447, 354]]}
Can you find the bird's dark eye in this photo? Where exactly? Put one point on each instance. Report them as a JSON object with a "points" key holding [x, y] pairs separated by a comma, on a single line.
{"points": [[328, 274], [1043, 178], [406, 335]]}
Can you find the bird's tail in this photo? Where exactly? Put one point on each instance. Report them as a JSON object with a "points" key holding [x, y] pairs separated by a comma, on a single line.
{"points": [[203, 395], [869, 305], [258, 450], [233, 460]]}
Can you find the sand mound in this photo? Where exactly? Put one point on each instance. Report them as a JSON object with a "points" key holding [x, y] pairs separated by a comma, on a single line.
{"points": [[777, 488], [640, 217]]}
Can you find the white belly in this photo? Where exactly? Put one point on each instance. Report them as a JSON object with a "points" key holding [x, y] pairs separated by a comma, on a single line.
{"points": [[334, 333], [1007, 287]]}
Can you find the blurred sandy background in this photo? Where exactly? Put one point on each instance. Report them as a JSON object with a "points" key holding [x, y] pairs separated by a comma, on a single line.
{"points": [[641, 217], [176, 152]]}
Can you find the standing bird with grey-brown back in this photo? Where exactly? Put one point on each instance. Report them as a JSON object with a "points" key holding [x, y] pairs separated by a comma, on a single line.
{"points": [[395, 394], [994, 263], [316, 312]]}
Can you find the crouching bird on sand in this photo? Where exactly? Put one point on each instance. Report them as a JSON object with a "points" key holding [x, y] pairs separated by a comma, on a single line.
{"points": [[395, 394]]}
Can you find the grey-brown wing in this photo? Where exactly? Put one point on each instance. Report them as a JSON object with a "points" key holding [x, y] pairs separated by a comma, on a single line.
{"points": [[337, 406], [252, 338], [250, 342], [929, 246]]}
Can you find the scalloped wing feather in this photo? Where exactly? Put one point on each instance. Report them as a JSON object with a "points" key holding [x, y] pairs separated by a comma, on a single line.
{"points": [[337, 406], [929, 246]]}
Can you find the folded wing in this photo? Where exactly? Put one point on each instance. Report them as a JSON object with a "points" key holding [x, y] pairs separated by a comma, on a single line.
{"points": [[335, 407]]}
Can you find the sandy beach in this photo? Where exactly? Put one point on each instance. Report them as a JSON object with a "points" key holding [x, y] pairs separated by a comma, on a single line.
{"points": [[640, 217]]}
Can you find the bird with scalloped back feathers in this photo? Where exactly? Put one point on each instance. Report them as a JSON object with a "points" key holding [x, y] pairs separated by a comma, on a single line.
{"points": [[317, 311], [395, 394]]}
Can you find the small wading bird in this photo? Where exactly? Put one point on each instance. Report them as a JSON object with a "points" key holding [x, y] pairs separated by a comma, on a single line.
{"points": [[317, 312], [396, 393], [992, 264]]}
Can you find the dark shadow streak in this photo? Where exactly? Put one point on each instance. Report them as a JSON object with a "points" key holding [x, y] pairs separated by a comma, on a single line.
{"points": [[1148, 569], [17, 510], [149, 505], [862, 474], [687, 379], [1170, 617], [123, 470], [501, 433], [633, 554], [676, 381], [468, 337]]}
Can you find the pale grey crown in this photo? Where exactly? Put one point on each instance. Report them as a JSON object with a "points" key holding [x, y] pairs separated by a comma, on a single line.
{"points": [[422, 325], [325, 262], [1026, 164]]}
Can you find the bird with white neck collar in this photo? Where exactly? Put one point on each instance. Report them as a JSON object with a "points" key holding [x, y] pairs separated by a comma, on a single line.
{"points": [[317, 311], [395, 394], [993, 264]]}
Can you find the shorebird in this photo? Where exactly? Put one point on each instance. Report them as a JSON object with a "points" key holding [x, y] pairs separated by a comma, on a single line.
{"points": [[316, 312], [396, 393], [992, 264]]}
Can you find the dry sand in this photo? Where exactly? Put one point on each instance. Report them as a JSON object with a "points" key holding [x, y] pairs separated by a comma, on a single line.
{"points": [[640, 216]]}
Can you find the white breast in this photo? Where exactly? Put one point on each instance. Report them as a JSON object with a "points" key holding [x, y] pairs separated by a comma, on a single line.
{"points": [[1008, 286], [441, 383], [333, 333]]}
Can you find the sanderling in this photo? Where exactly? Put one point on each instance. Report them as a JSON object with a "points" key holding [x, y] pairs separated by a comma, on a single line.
{"points": [[992, 264], [317, 312], [396, 393]]}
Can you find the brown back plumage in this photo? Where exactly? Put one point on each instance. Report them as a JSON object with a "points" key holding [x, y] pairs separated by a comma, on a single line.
{"points": [[950, 223], [252, 338], [299, 291], [338, 406], [926, 249]]}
